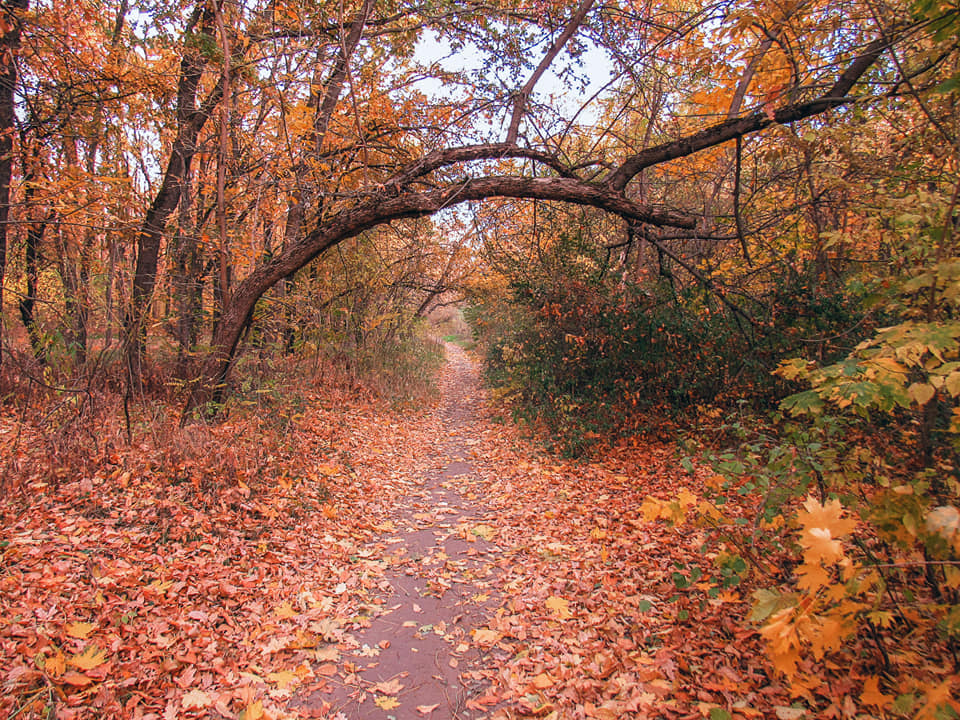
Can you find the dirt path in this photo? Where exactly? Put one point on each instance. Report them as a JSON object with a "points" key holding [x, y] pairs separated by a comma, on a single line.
{"points": [[415, 658]]}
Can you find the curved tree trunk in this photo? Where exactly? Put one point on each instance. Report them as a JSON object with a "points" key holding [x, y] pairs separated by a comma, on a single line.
{"points": [[396, 199]]}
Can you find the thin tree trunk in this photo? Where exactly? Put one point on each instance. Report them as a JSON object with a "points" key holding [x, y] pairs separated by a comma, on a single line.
{"points": [[190, 120], [9, 42]]}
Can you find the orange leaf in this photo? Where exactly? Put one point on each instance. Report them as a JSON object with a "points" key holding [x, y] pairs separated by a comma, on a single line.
{"points": [[80, 630], [390, 687], [91, 657], [872, 695], [559, 606], [55, 665], [72, 677]]}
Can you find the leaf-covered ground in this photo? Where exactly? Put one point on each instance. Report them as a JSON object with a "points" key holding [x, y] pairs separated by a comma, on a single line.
{"points": [[241, 577]]}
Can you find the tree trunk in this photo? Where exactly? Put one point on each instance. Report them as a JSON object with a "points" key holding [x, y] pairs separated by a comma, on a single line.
{"points": [[190, 120], [9, 42]]}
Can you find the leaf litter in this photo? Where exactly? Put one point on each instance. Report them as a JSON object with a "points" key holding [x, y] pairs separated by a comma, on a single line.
{"points": [[147, 591]]}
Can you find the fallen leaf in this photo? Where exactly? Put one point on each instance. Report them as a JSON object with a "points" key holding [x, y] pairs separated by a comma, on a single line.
{"points": [[386, 703], [543, 681], [486, 636], [559, 606], [72, 677], [390, 687], [283, 679], [427, 709], [196, 700], [253, 711], [91, 657], [55, 664], [285, 612], [80, 630]]}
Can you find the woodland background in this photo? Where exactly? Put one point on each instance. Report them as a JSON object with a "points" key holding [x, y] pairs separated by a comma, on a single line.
{"points": [[741, 240]]}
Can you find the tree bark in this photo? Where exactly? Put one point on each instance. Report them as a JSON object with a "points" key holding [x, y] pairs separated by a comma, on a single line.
{"points": [[190, 121], [9, 42]]}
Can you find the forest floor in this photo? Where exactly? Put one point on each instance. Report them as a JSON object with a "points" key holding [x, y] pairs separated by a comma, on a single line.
{"points": [[354, 561]]}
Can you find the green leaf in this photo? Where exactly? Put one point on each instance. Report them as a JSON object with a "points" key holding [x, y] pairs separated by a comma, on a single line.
{"points": [[807, 402], [767, 602]]}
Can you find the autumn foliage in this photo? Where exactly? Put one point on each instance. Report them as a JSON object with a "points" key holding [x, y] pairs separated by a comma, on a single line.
{"points": [[715, 282]]}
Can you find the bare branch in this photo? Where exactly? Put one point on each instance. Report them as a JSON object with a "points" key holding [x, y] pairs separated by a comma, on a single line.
{"points": [[520, 100], [731, 129]]}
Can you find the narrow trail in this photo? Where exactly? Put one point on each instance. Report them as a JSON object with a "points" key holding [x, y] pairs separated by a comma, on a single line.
{"points": [[415, 658]]}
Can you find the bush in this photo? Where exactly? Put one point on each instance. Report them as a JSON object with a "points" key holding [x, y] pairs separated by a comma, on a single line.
{"points": [[582, 356]]}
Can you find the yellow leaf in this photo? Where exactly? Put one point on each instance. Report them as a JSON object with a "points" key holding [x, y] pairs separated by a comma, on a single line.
{"points": [[484, 531], [91, 657], [386, 703], [953, 383], [55, 665], [559, 606], [253, 711], [820, 546], [686, 498], [826, 516], [283, 679], [651, 509], [812, 576], [285, 612], [820, 526], [921, 393], [80, 630]]}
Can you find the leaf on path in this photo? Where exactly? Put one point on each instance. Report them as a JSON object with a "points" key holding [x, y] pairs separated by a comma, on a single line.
{"points": [[427, 709], [91, 657], [72, 677], [486, 636], [327, 670], [196, 700], [560, 607], [283, 679], [386, 703], [80, 630], [330, 653], [484, 531], [390, 687]]}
